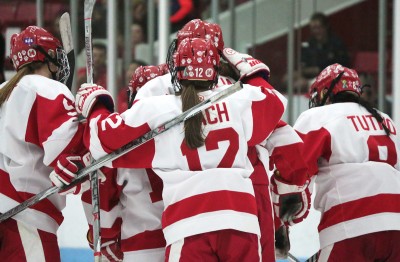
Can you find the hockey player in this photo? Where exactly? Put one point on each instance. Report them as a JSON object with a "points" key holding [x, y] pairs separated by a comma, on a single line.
{"points": [[131, 202], [37, 128], [204, 197], [284, 144], [353, 153]]}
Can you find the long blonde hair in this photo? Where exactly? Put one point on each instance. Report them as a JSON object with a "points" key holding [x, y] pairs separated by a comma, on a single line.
{"points": [[6, 91]]}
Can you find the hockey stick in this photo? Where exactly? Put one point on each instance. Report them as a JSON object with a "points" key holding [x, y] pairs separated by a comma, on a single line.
{"points": [[82, 174], [313, 258], [292, 258], [89, 4], [94, 178], [68, 44]]}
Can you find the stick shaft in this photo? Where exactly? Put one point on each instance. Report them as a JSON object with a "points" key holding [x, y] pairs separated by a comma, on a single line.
{"points": [[89, 4], [94, 179]]}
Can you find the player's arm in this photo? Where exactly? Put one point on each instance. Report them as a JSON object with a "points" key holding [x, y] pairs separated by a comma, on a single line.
{"points": [[106, 131], [52, 126], [286, 150]]}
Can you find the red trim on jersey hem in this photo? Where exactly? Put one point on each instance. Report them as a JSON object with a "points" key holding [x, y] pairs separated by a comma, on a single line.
{"points": [[209, 202], [149, 239], [382, 203], [44, 206]]}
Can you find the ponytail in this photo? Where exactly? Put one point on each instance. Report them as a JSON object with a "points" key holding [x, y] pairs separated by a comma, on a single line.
{"points": [[7, 89], [350, 97], [192, 126]]}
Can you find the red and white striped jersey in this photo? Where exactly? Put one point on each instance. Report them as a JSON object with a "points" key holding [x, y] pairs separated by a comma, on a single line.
{"points": [[218, 170], [36, 126], [357, 168], [131, 206]]}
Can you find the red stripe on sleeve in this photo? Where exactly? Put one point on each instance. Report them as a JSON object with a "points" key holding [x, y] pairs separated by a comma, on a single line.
{"points": [[266, 115], [317, 144], [46, 116], [289, 161], [113, 134]]}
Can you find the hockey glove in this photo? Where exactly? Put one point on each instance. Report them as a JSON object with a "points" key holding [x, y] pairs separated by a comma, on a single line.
{"points": [[88, 95], [291, 202], [110, 248], [245, 64], [65, 171]]}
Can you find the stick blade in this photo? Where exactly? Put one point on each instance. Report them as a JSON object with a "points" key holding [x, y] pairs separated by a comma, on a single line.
{"points": [[66, 32]]}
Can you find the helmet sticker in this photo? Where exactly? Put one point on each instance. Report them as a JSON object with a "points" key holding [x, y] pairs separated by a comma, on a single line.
{"points": [[28, 40]]}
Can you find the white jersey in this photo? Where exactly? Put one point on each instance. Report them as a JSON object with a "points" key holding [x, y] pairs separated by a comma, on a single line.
{"points": [[357, 168], [191, 177], [36, 126], [133, 196]]}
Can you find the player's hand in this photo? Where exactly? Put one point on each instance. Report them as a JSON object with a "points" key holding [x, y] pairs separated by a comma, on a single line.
{"points": [[65, 172], [291, 202], [110, 247], [88, 95], [245, 64]]}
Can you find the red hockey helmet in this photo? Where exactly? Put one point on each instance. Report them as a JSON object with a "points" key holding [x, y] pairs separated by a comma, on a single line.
{"points": [[141, 76], [196, 59], [163, 69], [197, 28], [33, 45], [334, 79]]}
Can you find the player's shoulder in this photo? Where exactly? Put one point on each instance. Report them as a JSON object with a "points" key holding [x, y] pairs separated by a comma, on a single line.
{"points": [[45, 86], [157, 86], [159, 103], [323, 116]]}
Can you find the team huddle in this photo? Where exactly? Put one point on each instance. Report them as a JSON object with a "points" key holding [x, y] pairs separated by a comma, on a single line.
{"points": [[225, 184]]}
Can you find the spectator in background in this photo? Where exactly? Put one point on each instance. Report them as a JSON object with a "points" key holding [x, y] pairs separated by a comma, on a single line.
{"points": [[99, 20], [138, 36], [139, 13], [99, 66], [2, 56], [123, 92], [322, 49]]}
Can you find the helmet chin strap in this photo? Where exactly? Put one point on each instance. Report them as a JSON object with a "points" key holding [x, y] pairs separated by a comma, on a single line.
{"points": [[41, 50], [53, 74], [48, 60], [328, 93]]}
